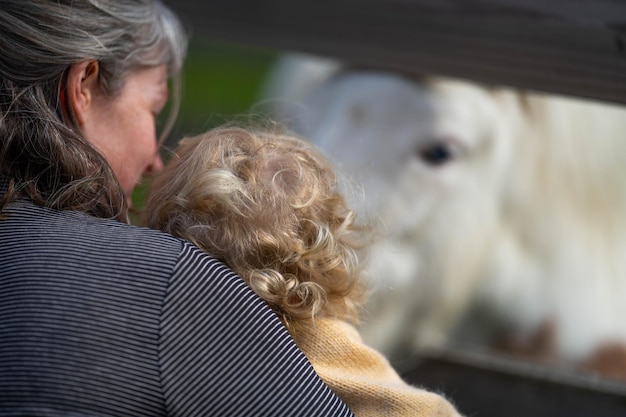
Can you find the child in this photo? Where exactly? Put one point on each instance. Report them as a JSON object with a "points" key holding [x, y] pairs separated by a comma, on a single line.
{"points": [[267, 204]]}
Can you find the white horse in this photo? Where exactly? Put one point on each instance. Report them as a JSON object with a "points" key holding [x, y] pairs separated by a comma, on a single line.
{"points": [[504, 211]]}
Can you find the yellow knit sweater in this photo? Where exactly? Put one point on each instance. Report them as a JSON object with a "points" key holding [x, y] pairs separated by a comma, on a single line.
{"points": [[361, 376]]}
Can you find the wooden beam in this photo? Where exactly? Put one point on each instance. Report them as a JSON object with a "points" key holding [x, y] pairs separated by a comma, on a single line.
{"points": [[573, 47], [490, 386]]}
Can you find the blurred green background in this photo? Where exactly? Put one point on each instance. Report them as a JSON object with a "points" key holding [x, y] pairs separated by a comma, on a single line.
{"points": [[220, 82]]}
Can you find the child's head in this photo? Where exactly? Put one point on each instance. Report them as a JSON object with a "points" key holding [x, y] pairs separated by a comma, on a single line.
{"points": [[267, 204]]}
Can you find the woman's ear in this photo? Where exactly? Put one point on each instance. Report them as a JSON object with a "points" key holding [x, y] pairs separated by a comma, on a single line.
{"points": [[81, 88]]}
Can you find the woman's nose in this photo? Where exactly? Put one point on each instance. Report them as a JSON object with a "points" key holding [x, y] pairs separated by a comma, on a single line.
{"points": [[156, 165]]}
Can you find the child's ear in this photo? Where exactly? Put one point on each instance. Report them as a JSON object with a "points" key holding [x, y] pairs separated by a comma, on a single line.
{"points": [[81, 87]]}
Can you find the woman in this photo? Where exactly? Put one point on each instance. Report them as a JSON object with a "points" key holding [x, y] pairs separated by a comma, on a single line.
{"points": [[96, 316]]}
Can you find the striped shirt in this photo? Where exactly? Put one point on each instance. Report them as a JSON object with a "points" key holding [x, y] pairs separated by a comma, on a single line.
{"points": [[99, 318]]}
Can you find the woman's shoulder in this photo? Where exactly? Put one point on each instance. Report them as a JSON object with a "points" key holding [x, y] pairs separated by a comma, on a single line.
{"points": [[80, 236]]}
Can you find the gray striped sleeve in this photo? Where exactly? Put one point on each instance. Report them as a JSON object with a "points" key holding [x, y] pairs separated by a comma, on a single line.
{"points": [[223, 352]]}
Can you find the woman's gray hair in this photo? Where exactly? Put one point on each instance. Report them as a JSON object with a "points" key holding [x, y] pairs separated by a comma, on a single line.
{"points": [[41, 147]]}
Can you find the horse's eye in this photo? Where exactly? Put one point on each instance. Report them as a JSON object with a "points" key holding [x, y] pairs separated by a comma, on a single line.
{"points": [[438, 153]]}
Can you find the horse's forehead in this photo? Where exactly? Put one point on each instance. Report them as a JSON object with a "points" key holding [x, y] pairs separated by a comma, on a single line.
{"points": [[384, 111]]}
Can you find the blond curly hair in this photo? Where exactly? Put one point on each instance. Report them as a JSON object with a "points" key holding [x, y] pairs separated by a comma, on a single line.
{"points": [[267, 204]]}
